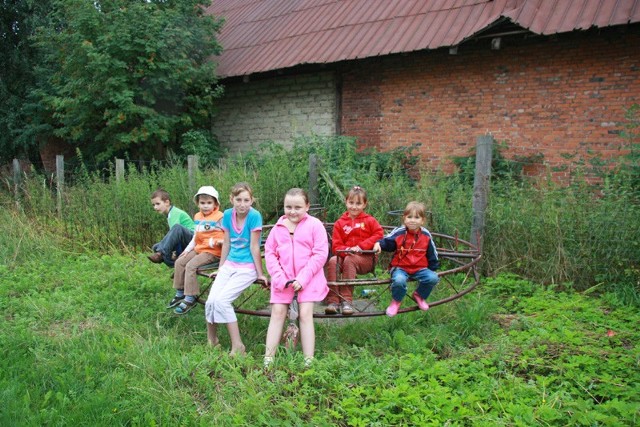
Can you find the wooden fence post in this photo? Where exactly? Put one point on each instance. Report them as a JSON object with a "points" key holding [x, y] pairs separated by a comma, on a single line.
{"points": [[192, 166], [59, 181], [484, 148], [119, 169], [313, 179], [17, 176]]}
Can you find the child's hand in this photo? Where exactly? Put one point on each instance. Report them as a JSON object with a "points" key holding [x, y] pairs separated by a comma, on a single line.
{"points": [[265, 281], [183, 254], [377, 248], [294, 284], [356, 249]]}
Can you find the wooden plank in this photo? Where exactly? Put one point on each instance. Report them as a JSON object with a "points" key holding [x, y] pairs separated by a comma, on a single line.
{"points": [[119, 169], [484, 148], [17, 181], [59, 182], [313, 179], [192, 166]]}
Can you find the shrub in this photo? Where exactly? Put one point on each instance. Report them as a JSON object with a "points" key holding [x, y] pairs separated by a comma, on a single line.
{"points": [[578, 235]]}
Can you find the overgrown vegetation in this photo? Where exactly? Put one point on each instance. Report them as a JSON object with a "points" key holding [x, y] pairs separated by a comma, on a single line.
{"points": [[631, 160], [579, 235], [502, 169], [109, 77], [86, 341]]}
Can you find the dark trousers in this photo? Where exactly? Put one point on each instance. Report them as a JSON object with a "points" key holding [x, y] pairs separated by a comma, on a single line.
{"points": [[176, 240]]}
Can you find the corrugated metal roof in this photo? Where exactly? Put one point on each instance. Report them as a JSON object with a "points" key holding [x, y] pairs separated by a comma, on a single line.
{"points": [[265, 35]]}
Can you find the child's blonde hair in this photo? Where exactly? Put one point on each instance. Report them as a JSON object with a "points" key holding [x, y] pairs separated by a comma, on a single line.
{"points": [[240, 187], [298, 192], [357, 192], [416, 208]]}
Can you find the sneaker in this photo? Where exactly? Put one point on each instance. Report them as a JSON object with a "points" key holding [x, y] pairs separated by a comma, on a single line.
{"points": [[175, 301], [347, 309], [421, 302], [332, 308], [156, 257], [393, 308]]}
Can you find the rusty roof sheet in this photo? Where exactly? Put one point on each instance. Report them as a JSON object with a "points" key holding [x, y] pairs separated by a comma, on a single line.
{"points": [[265, 35]]}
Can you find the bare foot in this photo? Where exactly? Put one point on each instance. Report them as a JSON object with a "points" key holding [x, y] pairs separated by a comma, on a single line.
{"points": [[238, 351], [214, 343]]}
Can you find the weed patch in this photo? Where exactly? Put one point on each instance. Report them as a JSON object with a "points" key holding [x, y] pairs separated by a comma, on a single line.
{"points": [[87, 340]]}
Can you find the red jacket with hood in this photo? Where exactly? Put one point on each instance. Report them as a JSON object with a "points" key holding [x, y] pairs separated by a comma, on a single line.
{"points": [[413, 250], [363, 231]]}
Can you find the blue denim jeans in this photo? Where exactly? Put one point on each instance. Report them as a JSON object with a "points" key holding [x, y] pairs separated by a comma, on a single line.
{"points": [[427, 280], [175, 240]]}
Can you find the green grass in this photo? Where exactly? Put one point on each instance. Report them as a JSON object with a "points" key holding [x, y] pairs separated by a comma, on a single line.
{"points": [[86, 340]]}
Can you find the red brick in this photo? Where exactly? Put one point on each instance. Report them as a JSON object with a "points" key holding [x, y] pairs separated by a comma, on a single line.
{"points": [[538, 95]]}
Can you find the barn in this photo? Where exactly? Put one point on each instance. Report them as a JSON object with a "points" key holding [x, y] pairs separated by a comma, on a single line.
{"points": [[552, 80]]}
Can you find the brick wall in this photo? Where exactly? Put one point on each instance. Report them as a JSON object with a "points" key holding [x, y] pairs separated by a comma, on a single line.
{"points": [[276, 108], [561, 97]]}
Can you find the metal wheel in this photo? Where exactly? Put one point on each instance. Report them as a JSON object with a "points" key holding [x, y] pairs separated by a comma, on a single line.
{"points": [[458, 276]]}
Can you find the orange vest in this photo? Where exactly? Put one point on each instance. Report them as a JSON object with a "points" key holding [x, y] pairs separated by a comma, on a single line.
{"points": [[208, 233]]}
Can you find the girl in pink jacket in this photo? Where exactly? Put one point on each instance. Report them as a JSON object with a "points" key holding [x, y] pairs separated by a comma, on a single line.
{"points": [[295, 253]]}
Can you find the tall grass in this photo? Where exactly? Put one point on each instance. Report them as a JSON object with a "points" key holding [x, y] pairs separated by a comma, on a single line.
{"points": [[578, 235], [22, 239], [567, 235]]}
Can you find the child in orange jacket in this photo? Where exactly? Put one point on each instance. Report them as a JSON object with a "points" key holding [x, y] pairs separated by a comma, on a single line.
{"points": [[205, 248]]}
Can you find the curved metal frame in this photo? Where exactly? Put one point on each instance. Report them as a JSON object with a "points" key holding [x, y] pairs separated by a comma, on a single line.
{"points": [[467, 260]]}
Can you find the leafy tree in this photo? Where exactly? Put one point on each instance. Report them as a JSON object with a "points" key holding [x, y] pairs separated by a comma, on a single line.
{"points": [[18, 20], [123, 76]]}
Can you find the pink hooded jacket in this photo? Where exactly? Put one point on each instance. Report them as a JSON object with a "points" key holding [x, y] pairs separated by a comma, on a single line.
{"points": [[300, 256]]}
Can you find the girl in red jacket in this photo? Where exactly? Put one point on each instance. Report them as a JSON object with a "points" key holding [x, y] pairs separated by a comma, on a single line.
{"points": [[354, 231], [415, 257]]}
